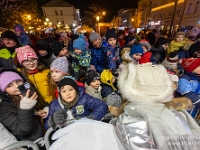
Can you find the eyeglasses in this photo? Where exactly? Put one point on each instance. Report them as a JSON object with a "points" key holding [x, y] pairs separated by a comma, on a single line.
{"points": [[29, 61]]}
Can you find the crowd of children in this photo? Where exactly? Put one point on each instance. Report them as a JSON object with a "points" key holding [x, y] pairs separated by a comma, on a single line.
{"points": [[116, 75]]}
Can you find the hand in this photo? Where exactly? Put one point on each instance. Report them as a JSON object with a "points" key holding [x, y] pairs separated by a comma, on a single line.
{"points": [[92, 67], [114, 110], [42, 113], [33, 97], [58, 118]]}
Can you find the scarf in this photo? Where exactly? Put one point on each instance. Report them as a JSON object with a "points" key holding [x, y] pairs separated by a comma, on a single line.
{"points": [[164, 127], [175, 46], [68, 105], [32, 71]]}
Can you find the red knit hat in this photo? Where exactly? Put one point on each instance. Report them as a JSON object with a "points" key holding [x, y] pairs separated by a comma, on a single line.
{"points": [[189, 64]]}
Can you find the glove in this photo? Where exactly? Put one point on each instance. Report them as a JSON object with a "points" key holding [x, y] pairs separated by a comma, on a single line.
{"points": [[73, 58], [58, 118]]}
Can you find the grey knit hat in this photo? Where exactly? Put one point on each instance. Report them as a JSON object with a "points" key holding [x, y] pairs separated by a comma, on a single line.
{"points": [[94, 36], [113, 99], [146, 44], [60, 64]]}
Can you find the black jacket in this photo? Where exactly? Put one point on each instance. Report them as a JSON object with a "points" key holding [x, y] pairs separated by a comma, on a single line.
{"points": [[20, 122]]}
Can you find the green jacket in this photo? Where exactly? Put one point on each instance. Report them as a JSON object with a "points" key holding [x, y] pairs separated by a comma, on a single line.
{"points": [[7, 59]]}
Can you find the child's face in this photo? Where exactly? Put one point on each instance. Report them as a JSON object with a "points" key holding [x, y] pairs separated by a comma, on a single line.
{"points": [[95, 84], [18, 31], [56, 75], [30, 64], [96, 43], [63, 52], [144, 49], [113, 79], [68, 93], [77, 51], [121, 36], [137, 56], [112, 42], [12, 89], [42, 52], [197, 70], [179, 38]]}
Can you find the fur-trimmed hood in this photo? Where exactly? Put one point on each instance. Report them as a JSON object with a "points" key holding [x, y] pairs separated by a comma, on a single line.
{"points": [[125, 54], [146, 82]]}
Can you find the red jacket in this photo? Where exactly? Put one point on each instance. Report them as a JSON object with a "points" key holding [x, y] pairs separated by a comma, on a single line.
{"points": [[146, 57]]}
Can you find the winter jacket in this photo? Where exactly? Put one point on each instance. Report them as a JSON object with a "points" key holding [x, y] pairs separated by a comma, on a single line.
{"points": [[159, 53], [41, 82], [147, 57], [189, 86], [83, 61], [113, 58], [98, 57], [7, 58], [87, 106], [20, 122]]}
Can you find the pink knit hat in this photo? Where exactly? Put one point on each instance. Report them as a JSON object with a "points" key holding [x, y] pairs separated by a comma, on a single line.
{"points": [[24, 53], [7, 77]]}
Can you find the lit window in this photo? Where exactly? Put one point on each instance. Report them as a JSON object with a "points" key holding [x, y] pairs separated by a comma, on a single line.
{"points": [[196, 7]]}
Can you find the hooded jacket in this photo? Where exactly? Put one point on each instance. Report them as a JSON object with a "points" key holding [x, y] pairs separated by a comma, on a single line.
{"points": [[87, 106], [20, 122], [50, 57]]}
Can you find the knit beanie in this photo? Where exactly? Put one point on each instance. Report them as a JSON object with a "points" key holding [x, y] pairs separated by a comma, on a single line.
{"points": [[25, 52], [80, 43], [162, 40], [94, 36], [194, 48], [189, 64], [110, 33], [171, 61], [146, 44], [68, 80], [129, 39], [7, 77], [179, 33], [60, 64], [56, 47], [10, 35], [136, 49], [91, 75]]}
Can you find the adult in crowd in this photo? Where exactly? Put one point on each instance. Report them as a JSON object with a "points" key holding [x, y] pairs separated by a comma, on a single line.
{"points": [[7, 54]]}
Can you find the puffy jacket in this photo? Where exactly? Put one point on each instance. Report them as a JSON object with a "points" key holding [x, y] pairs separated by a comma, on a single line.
{"points": [[87, 106], [98, 58], [189, 86], [41, 82], [7, 58], [20, 122]]}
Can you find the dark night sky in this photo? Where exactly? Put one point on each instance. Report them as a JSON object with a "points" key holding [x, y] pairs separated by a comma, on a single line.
{"points": [[110, 6]]}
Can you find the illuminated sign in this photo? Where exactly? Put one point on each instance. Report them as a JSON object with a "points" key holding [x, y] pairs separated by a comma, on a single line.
{"points": [[154, 23]]}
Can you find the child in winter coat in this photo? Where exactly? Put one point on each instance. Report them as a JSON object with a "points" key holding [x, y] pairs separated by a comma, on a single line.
{"points": [[44, 52], [113, 50], [136, 53], [81, 54], [147, 56], [59, 68], [151, 120], [92, 85], [59, 49], [34, 71], [75, 103], [17, 110], [180, 44], [189, 82], [109, 92]]}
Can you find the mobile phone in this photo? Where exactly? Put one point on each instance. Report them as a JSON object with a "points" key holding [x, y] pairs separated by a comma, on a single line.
{"points": [[24, 88]]}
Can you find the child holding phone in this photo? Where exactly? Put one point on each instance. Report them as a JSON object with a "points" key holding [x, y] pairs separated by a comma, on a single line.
{"points": [[17, 110]]}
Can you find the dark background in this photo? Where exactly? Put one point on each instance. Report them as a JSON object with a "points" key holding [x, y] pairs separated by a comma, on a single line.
{"points": [[111, 7]]}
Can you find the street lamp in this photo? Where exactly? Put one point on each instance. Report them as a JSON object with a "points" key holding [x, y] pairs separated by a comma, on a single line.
{"points": [[29, 17], [98, 18], [45, 23], [104, 13], [47, 19]]}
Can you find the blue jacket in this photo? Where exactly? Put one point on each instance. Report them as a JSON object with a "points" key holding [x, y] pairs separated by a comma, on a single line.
{"points": [[113, 59], [87, 106], [189, 86], [98, 57]]}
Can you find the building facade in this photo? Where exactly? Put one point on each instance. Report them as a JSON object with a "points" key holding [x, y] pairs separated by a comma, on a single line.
{"points": [[159, 13], [61, 13]]}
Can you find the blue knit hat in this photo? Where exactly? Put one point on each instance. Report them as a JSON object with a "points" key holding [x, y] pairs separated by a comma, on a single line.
{"points": [[136, 49], [60, 64], [80, 43]]}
